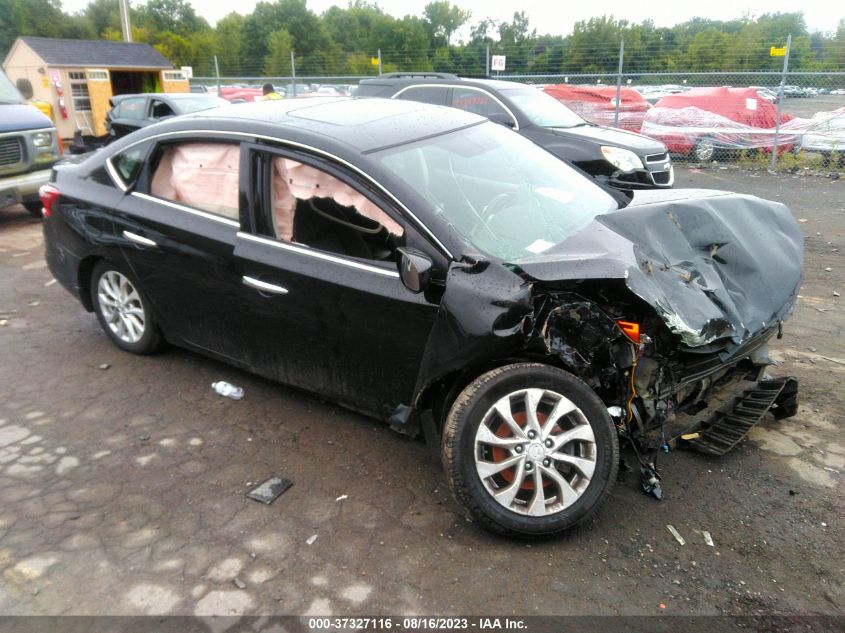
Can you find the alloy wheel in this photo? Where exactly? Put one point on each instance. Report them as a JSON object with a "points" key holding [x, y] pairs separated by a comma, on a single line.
{"points": [[121, 306], [535, 452]]}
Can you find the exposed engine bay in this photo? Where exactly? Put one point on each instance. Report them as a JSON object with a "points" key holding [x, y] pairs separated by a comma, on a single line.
{"points": [[661, 395]]}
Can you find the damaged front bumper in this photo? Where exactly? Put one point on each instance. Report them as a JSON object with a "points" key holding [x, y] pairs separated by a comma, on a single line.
{"points": [[728, 426]]}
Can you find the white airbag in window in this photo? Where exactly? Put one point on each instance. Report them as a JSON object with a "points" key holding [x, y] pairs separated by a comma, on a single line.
{"points": [[200, 175], [292, 180]]}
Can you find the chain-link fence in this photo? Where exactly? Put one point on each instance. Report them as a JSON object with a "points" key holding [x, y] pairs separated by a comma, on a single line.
{"points": [[774, 118]]}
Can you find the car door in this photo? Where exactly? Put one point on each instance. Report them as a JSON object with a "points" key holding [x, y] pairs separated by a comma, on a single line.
{"points": [[131, 115], [481, 102], [176, 228], [158, 110], [428, 93], [334, 324]]}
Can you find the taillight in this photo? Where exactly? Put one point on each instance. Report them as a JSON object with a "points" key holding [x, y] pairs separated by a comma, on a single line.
{"points": [[631, 330], [48, 195]]}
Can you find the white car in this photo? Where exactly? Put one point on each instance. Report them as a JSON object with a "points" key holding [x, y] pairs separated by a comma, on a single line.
{"points": [[826, 134]]}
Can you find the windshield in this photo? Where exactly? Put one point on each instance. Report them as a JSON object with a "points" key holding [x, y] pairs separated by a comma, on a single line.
{"points": [[541, 109], [500, 192], [8, 92]]}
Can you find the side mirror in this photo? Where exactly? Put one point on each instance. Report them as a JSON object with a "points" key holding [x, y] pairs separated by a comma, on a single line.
{"points": [[24, 86], [502, 118], [414, 269]]}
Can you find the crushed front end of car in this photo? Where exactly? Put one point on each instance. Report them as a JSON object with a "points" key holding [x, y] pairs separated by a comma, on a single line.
{"points": [[666, 309]]}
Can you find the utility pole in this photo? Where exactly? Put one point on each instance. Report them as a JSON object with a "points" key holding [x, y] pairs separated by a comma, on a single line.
{"points": [[217, 73], [125, 26], [379, 62], [780, 105], [487, 71], [293, 72], [619, 84]]}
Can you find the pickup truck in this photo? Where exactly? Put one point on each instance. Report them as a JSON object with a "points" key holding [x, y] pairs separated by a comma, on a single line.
{"points": [[29, 146]]}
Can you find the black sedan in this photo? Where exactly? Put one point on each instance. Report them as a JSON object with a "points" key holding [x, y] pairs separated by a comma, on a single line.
{"points": [[618, 158], [438, 271], [132, 112]]}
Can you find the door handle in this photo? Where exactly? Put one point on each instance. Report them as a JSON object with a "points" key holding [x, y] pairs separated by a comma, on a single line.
{"points": [[263, 286], [139, 239]]}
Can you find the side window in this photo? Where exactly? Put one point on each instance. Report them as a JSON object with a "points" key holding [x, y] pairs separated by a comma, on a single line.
{"points": [[132, 108], [477, 102], [427, 94], [160, 110], [312, 207], [128, 164], [199, 175]]}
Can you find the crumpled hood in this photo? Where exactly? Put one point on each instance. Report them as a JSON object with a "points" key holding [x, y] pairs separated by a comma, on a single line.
{"points": [[713, 265]]}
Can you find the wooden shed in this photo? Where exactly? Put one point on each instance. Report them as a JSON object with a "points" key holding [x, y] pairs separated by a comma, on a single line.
{"points": [[78, 77]]}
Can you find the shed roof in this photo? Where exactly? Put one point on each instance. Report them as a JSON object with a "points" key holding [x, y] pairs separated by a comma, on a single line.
{"points": [[105, 53]]}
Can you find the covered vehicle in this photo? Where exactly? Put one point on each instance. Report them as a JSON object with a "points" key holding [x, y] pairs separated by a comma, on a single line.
{"points": [[824, 133], [704, 123], [597, 104], [29, 145], [438, 271], [132, 112]]}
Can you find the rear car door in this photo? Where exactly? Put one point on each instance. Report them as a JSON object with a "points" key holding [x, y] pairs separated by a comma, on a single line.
{"points": [[327, 316], [429, 93], [483, 103], [129, 117], [176, 228]]}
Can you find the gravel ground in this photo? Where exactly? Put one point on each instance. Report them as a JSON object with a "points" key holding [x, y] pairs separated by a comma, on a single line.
{"points": [[122, 481]]}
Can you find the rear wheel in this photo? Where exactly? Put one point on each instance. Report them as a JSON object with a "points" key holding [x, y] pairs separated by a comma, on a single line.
{"points": [[704, 150], [529, 450], [122, 310]]}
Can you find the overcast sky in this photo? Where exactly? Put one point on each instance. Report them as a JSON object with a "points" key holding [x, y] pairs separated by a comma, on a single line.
{"points": [[557, 17]]}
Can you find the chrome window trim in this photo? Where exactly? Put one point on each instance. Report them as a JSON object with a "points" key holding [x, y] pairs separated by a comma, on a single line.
{"points": [[302, 146], [306, 250], [473, 88], [191, 210], [112, 171]]}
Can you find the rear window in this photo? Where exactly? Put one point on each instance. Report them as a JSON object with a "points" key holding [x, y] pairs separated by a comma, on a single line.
{"points": [[128, 164], [200, 175], [131, 108]]}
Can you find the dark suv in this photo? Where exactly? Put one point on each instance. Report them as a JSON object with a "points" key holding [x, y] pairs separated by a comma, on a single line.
{"points": [[623, 160]]}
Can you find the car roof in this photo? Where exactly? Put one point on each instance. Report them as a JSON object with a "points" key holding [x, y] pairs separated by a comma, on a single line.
{"points": [[165, 95], [441, 78], [363, 124]]}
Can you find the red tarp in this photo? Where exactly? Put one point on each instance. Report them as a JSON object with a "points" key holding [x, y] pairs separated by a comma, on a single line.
{"points": [[597, 104]]}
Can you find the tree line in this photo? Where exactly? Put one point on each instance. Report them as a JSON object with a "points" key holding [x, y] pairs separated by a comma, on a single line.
{"points": [[344, 41]]}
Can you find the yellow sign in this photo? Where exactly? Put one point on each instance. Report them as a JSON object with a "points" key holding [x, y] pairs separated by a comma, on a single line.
{"points": [[374, 61], [774, 51]]}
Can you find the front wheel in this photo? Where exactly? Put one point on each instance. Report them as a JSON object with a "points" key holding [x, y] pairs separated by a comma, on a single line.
{"points": [[122, 310], [529, 450]]}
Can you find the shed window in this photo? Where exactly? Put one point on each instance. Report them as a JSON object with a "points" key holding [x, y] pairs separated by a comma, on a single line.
{"points": [[79, 91]]}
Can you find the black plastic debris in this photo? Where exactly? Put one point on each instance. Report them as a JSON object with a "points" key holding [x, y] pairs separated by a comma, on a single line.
{"points": [[270, 490]]}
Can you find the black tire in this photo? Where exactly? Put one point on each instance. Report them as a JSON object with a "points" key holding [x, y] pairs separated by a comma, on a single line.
{"points": [[459, 450], [150, 339], [34, 208]]}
